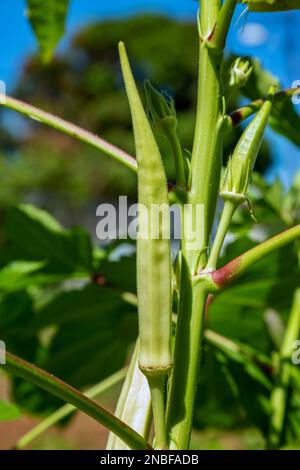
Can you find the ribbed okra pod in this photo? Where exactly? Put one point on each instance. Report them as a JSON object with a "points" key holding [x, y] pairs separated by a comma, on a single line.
{"points": [[237, 175], [239, 169], [153, 255]]}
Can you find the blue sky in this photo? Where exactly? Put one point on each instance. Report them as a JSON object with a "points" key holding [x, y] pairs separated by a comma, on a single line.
{"points": [[270, 37]]}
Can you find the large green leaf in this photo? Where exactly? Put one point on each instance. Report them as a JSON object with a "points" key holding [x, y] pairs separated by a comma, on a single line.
{"points": [[34, 235], [47, 18], [94, 327], [82, 336]]}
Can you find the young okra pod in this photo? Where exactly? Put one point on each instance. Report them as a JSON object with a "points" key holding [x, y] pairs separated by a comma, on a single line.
{"points": [[237, 175], [239, 168], [153, 255]]}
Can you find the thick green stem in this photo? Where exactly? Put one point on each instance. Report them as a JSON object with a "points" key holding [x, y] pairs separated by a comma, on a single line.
{"points": [[207, 148], [65, 392], [183, 387], [69, 129], [226, 217], [67, 410], [237, 267], [218, 37], [205, 170], [279, 395], [157, 385]]}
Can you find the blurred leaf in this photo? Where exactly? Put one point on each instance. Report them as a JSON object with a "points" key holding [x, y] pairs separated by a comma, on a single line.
{"points": [[233, 391], [86, 334], [34, 235], [284, 118], [8, 411], [47, 18]]}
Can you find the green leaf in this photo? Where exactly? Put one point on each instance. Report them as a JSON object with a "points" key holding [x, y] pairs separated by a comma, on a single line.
{"points": [[84, 336], [284, 118], [34, 235], [47, 18], [233, 391], [8, 411]]}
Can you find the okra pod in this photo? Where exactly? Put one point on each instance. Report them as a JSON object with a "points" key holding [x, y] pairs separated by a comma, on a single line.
{"points": [[153, 255], [237, 176], [239, 169]]}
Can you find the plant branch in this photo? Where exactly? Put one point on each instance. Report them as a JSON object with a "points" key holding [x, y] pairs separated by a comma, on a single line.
{"points": [[65, 392], [68, 409], [239, 115], [218, 37], [224, 223], [69, 129], [235, 268], [279, 395]]}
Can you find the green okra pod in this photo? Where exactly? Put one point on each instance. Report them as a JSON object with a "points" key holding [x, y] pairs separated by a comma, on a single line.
{"points": [[239, 169], [238, 173], [153, 255]]}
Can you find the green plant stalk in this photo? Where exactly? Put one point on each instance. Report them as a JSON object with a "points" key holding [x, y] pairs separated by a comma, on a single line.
{"points": [[65, 392], [279, 395], [67, 410], [189, 332], [134, 404], [238, 116], [218, 37], [69, 129], [205, 179], [207, 147], [228, 211], [238, 266]]}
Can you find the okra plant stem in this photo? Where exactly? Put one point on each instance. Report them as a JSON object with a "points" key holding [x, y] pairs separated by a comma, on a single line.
{"points": [[65, 392], [69, 129], [224, 223], [205, 179], [67, 410], [207, 150], [238, 266], [279, 394]]}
